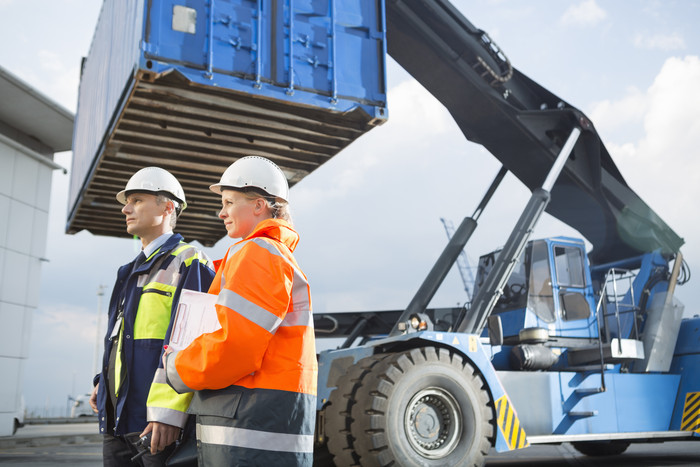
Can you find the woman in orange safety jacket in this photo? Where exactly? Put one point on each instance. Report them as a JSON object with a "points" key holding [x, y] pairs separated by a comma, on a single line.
{"points": [[255, 378]]}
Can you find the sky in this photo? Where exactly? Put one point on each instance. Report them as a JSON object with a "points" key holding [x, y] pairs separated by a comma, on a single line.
{"points": [[369, 219]]}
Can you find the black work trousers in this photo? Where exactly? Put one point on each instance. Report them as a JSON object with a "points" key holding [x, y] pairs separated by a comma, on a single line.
{"points": [[117, 451]]}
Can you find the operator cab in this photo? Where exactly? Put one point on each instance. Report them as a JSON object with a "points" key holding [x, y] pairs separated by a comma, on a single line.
{"points": [[550, 288]]}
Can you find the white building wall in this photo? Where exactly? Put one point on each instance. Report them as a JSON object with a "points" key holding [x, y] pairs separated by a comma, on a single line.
{"points": [[25, 186]]}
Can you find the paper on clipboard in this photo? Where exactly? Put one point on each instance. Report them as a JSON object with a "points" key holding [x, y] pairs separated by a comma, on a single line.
{"points": [[196, 315]]}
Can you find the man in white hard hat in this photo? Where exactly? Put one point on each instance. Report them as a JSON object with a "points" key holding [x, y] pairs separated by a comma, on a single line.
{"points": [[130, 394]]}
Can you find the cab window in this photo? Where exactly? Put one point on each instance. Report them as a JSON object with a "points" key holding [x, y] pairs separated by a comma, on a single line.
{"points": [[569, 265], [540, 296]]}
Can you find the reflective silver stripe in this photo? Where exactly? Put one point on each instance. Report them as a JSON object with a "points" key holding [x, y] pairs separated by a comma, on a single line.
{"points": [[253, 439], [249, 310], [231, 251], [234, 248], [159, 376], [269, 246], [300, 315], [300, 292], [163, 415], [301, 306], [169, 275], [173, 376], [298, 318], [301, 299]]}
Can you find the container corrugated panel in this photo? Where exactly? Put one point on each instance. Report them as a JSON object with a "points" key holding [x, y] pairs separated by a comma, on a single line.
{"points": [[191, 86]]}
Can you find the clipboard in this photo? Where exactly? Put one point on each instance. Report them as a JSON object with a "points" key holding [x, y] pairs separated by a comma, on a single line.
{"points": [[196, 315]]}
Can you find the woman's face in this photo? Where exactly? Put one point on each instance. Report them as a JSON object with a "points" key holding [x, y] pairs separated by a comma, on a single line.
{"points": [[238, 213]]}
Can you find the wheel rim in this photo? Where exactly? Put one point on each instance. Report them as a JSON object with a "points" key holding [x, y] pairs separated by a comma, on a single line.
{"points": [[433, 423]]}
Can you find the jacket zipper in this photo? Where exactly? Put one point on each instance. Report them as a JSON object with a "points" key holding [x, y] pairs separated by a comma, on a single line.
{"points": [[161, 292]]}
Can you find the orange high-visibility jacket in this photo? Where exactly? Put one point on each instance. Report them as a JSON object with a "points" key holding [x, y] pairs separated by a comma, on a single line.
{"points": [[264, 355]]}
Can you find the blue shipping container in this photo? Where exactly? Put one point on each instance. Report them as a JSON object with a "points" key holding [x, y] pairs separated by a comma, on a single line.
{"points": [[192, 85]]}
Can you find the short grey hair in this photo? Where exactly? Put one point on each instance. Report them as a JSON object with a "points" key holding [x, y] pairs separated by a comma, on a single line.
{"points": [[160, 199]]}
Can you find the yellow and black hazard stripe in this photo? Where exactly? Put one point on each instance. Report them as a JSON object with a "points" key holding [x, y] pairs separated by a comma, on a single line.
{"points": [[691, 412], [510, 425]]}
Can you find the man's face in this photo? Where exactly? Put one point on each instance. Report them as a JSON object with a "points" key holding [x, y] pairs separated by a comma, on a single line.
{"points": [[144, 216]]}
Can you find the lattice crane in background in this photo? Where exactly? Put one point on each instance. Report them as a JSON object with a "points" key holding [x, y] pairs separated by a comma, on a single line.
{"points": [[465, 271]]}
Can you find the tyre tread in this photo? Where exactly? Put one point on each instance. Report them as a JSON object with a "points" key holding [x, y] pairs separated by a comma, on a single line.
{"points": [[368, 418], [339, 411]]}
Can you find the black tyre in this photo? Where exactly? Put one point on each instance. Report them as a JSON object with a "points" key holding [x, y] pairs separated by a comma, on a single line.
{"points": [[338, 417], [601, 448], [423, 407], [322, 458]]}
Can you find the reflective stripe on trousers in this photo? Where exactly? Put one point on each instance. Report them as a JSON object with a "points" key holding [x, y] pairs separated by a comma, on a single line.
{"points": [[254, 439]]}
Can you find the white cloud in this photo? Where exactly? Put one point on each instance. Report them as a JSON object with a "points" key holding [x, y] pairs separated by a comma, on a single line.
{"points": [[586, 13], [666, 42], [670, 114], [412, 111], [411, 107], [625, 151], [663, 166], [672, 124], [613, 114]]}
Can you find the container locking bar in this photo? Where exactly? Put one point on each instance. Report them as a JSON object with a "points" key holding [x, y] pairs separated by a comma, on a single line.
{"points": [[491, 290]]}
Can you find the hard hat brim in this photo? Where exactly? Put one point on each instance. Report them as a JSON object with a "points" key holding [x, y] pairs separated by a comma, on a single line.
{"points": [[217, 188], [122, 195]]}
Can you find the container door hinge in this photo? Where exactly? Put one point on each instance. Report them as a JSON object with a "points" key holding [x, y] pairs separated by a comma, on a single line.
{"points": [[148, 47]]}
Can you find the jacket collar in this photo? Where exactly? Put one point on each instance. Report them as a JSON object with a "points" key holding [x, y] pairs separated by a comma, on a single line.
{"points": [[157, 243], [166, 247], [276, 229]]}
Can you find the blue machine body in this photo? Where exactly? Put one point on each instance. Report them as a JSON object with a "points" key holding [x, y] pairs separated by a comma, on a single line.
{"points": [[686, 361], [569, 403], [333, 362], [649, 280], [567, 399], [556, 265]]}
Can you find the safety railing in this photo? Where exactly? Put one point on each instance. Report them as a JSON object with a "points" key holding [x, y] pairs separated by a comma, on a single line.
{"points": [[618, 285], [618, 293]]}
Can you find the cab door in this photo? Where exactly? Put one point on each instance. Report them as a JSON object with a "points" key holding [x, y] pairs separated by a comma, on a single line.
{"points": [[573, 294]]}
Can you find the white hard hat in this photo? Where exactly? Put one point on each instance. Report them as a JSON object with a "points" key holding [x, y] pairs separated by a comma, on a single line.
{"points": [[154, 179], [254, 171]]}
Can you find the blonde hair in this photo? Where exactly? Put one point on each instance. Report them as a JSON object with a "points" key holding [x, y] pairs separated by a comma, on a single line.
{"points": [[279, 209]]}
